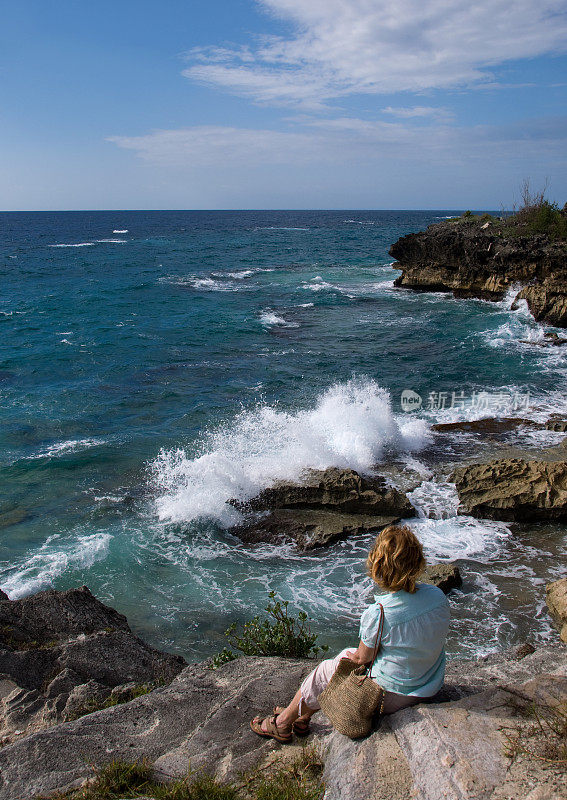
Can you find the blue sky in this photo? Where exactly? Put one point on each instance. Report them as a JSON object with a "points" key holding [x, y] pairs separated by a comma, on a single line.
{"points": [[281, 103]]}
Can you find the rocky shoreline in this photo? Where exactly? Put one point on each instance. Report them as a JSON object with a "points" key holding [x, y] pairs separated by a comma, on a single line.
{"points": [[192, 717], [477, 257]]}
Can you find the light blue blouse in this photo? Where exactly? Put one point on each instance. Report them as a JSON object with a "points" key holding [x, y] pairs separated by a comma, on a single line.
{"points": [[411, 659]]}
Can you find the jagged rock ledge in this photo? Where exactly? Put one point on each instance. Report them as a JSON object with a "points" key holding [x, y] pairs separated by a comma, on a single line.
{"points": [[452, 746], [475, 259], [513, 489], [321, 508]]}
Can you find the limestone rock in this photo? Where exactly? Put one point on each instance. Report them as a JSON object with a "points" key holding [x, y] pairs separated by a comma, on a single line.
{"points": [[61, 652], [471, 261], [444, 576], [308, 528], [513, 489], [556, 596], [457, 749], [202, 720], [374, 768], [324, 506]]}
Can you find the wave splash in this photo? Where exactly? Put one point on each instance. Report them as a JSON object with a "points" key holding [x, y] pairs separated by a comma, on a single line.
{"points": [[351, 425]]}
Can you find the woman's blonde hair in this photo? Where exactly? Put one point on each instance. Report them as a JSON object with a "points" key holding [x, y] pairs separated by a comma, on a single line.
{"points": [[396, 560]]}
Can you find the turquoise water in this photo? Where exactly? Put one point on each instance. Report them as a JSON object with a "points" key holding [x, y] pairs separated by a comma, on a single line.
{"points": [[155, 364]]}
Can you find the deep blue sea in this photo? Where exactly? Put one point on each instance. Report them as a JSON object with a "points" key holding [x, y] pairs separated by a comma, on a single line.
{"points": [[154, 365]]}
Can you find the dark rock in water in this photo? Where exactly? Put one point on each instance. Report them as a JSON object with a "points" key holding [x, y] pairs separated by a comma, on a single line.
{"points": [[487, 426], [308, 528], [335, 489], [513, 489], [61, 652], [524, 650], [53, 616], [556, 597], [444, 576], [556, 424], [324, 506], [554, 338], [469, 260]]}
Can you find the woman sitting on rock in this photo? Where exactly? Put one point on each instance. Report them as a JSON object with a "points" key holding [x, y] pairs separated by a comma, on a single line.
{"points": [[410, 664]]}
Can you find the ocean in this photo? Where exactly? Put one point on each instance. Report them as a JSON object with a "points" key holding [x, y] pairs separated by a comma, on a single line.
{"points": [[154, 365]]}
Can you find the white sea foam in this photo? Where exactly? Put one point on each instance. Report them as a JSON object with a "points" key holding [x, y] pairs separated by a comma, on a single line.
{"points": [[66, 447], [270, 318], [280, 228], [448, 536], [351, 425], [120, 231], [520, 329], [318, 284], [80, 244], [92, 244], [54, 557]]}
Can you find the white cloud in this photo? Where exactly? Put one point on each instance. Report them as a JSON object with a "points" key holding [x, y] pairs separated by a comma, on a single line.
{"points": [[419, 111], [208, 145], [347, 140], [341, 47]]}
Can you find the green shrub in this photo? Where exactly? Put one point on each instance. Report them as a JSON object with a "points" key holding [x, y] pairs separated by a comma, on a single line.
{"points": [[223, 657], [279, 634], [537, 215]]}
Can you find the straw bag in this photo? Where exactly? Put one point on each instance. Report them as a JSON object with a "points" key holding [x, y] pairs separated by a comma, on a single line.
{"points": [[352, 697]]}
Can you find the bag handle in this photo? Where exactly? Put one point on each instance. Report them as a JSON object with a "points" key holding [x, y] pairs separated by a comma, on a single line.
{"points": [[378, 637]]}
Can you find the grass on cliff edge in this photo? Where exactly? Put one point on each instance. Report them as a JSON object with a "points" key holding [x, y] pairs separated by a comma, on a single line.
{"points": [[300, 780], [541, 734], [536, 215]]}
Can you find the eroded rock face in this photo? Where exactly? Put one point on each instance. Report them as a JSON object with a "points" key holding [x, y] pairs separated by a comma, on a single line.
{"points": [[202, 720], [62, 652], [513, 489], [556, 596], [309, 527], [471, 261], [325, 506]]}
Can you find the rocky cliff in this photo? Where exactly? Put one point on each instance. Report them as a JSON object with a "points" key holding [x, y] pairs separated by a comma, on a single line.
{"points": [[454, 746], [472, 258]]}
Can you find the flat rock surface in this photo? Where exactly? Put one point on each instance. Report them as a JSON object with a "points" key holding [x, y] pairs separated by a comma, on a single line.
{"points": [[202, 719], [457, 750]]}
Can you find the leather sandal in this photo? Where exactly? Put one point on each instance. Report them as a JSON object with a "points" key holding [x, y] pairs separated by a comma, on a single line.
{"points": [[299, 727], [272, 731]]}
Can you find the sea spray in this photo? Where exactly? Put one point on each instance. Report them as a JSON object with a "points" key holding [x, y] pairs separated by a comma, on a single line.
{"points": [[351, 425]]}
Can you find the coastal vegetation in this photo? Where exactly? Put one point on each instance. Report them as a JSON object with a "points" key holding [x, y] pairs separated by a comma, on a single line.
{"points": [[541, 733], [535, 215], [277, 634], [299, 779]]}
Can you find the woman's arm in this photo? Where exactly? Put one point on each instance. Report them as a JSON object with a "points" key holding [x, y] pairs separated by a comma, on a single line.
{"points": [[363, 655]]}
